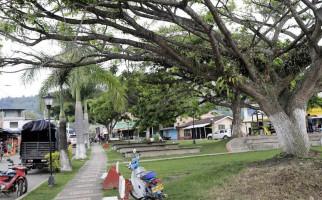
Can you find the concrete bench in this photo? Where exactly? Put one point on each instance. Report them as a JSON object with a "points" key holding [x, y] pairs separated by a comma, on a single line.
{"points": [[153, 153], [148, 147], [124, 145]]}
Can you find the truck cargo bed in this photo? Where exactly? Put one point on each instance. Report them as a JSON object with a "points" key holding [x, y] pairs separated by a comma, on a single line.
{"points": [[34, 150]]}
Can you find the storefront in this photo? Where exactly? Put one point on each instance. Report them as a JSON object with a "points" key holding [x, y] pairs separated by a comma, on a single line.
{"points": [[316, 114], [10, 141]]}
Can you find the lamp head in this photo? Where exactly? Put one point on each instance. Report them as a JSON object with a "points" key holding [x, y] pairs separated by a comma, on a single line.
{"points": [[48, 100]]}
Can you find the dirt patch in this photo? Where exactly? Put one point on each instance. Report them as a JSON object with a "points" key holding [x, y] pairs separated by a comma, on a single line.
{"points": [[276, 178]]}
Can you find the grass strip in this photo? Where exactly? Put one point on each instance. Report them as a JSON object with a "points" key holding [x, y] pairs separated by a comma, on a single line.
{"points": [[62, 178], [193, 178]]}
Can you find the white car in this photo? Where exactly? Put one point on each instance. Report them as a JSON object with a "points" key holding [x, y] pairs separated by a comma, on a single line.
{"points": [[71, 139], [221, 134]]}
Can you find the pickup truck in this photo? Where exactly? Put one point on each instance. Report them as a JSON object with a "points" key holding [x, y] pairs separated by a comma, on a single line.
{"points": [[221, 134], [34, 143]]}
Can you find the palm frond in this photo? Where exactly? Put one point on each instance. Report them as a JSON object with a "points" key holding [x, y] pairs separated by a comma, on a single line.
{"points": [[48, 84], [30, 75]]}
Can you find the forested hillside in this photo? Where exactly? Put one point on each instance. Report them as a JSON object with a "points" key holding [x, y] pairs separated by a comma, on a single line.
{"points": [[30, 104]]}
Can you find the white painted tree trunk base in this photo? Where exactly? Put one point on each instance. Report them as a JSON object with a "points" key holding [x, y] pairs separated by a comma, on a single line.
{"points": [[291, 132], [64, 162], [80, 151]]}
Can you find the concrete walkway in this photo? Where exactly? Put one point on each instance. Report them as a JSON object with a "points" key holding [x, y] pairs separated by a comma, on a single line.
{"points": [[87, 184]]}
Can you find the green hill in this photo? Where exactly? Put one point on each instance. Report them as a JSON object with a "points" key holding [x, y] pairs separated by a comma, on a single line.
{"points": [[30, 104]]}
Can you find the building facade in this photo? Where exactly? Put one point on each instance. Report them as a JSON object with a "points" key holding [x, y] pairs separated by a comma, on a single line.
{"points": [[12, 119]]}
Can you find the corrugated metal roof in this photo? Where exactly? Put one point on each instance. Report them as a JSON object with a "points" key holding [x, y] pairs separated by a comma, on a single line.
{"points": [[206, 120], [122, 125]]}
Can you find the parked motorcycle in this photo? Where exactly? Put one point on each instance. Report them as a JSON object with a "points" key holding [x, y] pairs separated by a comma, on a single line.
{"points": [[145, 185], [14, 179]]}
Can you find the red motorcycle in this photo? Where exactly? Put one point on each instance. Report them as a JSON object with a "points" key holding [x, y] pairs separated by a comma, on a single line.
{"points": [[14, 180]]}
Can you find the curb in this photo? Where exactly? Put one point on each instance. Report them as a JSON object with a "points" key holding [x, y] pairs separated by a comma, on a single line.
{"points": [[228, 147], [31, 190]]}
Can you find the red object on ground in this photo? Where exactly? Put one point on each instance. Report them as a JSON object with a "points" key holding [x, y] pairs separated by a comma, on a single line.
{"points": [[112, 179], [105, 145], [128, 188]]}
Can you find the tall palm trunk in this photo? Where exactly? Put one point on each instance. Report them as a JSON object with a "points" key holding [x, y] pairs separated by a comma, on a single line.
{"points": [[86, 126], [64, 160], [79, 128]]}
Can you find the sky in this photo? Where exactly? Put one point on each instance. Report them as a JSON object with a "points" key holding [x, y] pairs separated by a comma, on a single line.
{"points": [[10, 83]]}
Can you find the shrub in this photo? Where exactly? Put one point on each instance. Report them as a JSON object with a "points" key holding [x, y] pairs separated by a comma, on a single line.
{"points": [[156, 138], [145, 141], [55, 159], [70, 153]]}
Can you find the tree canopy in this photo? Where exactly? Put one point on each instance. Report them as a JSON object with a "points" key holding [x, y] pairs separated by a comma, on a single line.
{"points": [[259, 47]]}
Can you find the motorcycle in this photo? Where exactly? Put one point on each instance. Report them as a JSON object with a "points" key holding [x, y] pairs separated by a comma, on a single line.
{"points": [[145, 185], [14, 179]]}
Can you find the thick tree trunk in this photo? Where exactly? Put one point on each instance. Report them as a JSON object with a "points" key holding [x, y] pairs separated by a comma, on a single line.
{"points": [[64, 161], [86, 137], [147, 135], [79, 129], [237, 120], [291, 132]]}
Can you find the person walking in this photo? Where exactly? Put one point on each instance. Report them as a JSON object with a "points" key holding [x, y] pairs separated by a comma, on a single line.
{"points": [[310, 123]]}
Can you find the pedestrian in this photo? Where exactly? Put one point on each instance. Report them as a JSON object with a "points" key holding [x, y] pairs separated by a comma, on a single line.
{"points": [[310, 123]]}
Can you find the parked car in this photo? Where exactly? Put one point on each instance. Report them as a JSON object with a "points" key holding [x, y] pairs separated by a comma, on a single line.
{"points": [[72, 139], [221, 134]]}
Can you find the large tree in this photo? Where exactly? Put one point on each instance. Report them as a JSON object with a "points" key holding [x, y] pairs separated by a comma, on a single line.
{"points": [[258, 47], [104, 110]]}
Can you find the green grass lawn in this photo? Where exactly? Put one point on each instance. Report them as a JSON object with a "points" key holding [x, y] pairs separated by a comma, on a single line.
{"points": [[61, 179], [192, 178], [207, 147]]}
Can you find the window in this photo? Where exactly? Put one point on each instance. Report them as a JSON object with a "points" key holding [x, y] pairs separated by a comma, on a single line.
{"points": [[187, 132], [221, 126], [13, 124]]}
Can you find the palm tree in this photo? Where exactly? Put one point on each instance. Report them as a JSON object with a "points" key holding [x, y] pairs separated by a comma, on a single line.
{"points": [[77, 79], [59, 77]]}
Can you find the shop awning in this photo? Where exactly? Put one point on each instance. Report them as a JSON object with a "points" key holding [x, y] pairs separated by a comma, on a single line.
{"points": [[315, 111], [196, 126]]}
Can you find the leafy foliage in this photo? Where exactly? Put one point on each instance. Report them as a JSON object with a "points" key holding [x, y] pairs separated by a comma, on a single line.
{"points": [[315, 102], [158, 98], [103, 110], [55, 159]]}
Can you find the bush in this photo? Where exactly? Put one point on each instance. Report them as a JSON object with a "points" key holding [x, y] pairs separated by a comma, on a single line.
{"points": [[156, 138], [145, 141], [55, 159], [70, 153]]}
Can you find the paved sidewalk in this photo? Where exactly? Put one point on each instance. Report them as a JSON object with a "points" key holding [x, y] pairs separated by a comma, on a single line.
{"points": [[87, 184]]}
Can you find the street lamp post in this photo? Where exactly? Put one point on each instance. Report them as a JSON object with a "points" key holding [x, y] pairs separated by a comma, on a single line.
{"points": [[193, 128], [212, 128], [49, 101], [128, 132]]}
